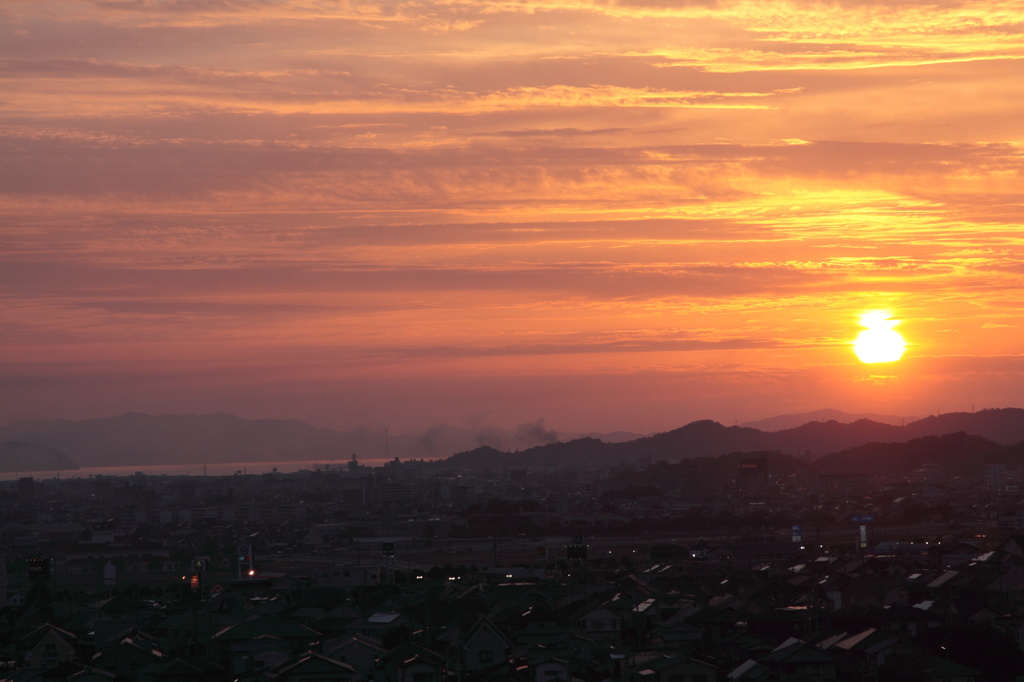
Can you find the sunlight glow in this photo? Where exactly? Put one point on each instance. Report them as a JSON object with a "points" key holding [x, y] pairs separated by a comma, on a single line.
{"points": [[879, 342]]}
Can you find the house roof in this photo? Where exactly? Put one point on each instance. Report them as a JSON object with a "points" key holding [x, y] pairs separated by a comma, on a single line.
{"points": [[271, 626], [356, 639], [311, 663], [797, 651], [943, 579], [748, 670], [661, 663], [408, 651], [385, 618], [485, 624], [127, 647], [868, 641], [35, 636]]}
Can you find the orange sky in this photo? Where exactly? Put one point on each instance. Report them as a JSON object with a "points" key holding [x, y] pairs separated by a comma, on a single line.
{"points": [[609, 215]]}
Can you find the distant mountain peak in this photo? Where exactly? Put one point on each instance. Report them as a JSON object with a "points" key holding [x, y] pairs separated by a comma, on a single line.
{"points": [[791, 421], [809, 441], [18, 456]]}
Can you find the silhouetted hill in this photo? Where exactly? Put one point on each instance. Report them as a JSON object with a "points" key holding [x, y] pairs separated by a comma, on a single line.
{"points": [[574, 451], [29, 457], [703, 439], [710, 439], [957, 453], [1002, 425], [485, 456], [700, 475], [791, 421], [726, 466]]}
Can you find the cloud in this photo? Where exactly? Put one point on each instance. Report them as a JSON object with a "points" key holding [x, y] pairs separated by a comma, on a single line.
{"points": [[276, 176], [534, 433], [491, 436], [185, 6]]}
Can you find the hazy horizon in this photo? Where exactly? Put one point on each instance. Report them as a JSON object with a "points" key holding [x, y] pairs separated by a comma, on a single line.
{"points": [[536, 426]]}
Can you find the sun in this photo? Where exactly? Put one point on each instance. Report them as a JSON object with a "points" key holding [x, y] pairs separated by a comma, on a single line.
{"points": [[879, 342]]}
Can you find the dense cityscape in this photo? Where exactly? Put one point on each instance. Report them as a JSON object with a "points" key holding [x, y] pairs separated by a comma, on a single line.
{"points": [[422, 571]]}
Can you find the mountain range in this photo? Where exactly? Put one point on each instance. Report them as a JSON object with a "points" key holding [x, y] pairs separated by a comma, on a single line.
{"points": [[956, 454], [791, 421], [1003, 426], [138, 439]]}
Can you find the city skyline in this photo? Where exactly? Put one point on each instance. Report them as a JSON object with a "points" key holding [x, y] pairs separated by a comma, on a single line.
{"points": [[603, 215]]}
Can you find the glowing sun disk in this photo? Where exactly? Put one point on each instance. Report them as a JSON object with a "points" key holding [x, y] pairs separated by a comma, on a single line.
{"points": [[879, 342]]}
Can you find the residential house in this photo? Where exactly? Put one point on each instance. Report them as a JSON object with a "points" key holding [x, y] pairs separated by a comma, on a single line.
{"points": [[483, 646], [263, 642], [602, 624], [48, 645], [864, 651], [549, 669]]}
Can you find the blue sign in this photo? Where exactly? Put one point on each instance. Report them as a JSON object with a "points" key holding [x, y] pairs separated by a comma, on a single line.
{"points": [[862, 518]]}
